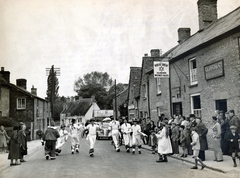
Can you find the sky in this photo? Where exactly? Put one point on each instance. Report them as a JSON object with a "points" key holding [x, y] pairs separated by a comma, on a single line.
{"points": [[82, 36]]}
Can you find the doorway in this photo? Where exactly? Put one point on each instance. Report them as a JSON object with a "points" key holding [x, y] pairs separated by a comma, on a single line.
{"points": [[221, 105], [177, 108]]}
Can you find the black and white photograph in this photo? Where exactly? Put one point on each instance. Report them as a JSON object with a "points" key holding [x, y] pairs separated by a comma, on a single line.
{"points": [[119, 88]]}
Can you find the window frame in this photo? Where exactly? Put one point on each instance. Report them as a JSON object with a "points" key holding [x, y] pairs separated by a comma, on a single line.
{"points": [[22, 107], [195, 111], [193, 72], [158, 86]]}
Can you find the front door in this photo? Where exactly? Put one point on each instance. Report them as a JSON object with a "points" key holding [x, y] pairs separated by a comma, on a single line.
{"points": [[177, 108], [221, 105]]}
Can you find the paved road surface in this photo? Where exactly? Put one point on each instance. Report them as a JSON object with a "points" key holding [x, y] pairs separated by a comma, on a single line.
{"points": [[107, 163]]}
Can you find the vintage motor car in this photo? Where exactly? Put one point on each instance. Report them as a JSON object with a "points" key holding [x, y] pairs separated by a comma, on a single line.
{"points": [[104, 132]]}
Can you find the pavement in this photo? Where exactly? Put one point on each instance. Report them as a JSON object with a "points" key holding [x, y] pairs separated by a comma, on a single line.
{"points": [[225, 167]]}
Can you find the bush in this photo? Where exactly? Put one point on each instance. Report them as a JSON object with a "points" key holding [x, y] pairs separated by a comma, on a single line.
{"points": [[7, 122]]}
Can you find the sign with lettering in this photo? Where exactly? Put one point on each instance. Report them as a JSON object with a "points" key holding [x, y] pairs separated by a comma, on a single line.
{"points": [[161, 69], [214, 70]]}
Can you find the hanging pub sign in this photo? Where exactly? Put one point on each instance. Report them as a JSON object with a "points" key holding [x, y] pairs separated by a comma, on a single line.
{"points": [[161, 69], [214, 70]]}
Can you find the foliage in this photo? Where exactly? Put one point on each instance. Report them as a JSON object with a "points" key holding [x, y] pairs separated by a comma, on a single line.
{"points": [[93, 78], [111, 94], [7, 122], [52, 88]]}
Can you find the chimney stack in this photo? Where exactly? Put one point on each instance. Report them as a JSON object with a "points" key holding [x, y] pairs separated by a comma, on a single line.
{"points": [[155, 53], [22, 83], [5, 74], [207, 12], [183, 34], [33, 90]]}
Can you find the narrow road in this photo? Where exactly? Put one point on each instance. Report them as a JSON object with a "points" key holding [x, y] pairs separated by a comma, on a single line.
{"points": [[107, 163]]}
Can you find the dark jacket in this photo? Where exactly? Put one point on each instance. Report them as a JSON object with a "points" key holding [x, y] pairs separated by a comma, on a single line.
{"points": [[51, 134], [233, 145], [22, 137], [202, 132]]}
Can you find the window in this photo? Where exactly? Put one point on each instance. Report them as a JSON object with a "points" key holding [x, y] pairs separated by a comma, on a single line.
{"points": [[158, 111], [193, 71], [21, 103], [158, 86], [196, 105]]}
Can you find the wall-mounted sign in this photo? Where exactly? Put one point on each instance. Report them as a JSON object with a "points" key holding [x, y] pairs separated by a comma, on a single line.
{"points": [[214, 70], [161, 69]]}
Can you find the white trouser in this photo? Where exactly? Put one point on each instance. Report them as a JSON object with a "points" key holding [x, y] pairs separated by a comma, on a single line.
{"points": [[75, 140], [127, 139], [92, 140], [115, 137]]}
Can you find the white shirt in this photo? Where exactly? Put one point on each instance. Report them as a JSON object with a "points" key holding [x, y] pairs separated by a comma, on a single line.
{"points": [[74, 129], [114, 125], [136, 129], [126, 128], [92, 129]]}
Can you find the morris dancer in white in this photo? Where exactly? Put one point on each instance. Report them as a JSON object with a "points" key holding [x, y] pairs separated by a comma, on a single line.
{"points": [[136, 137], [62, 139], [75, 134], [114, 127], [92, 132], [126, 129]]}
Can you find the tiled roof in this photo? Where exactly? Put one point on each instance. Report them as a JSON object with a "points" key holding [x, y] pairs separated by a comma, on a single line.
{"points": [[79, 107], [220, 27]]}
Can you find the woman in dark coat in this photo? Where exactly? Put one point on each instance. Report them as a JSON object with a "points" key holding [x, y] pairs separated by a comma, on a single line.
{"points": [[202, 132], [14, 147], [22, 136]]}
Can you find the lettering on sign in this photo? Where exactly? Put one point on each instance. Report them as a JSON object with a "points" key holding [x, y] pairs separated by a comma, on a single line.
{"points": [[214, 70], [161, 69]]}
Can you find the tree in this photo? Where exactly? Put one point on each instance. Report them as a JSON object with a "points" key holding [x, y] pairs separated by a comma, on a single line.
{"points": [[94, 83], [52, 88], [111, 94]]}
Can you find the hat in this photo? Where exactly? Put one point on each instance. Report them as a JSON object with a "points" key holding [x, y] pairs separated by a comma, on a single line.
{"points": [[92, 120], [233, 127], [192, 115]]}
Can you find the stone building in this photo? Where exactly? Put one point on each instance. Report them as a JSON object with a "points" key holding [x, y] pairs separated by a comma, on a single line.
{"points": [[133, 93], [23, 106], [205, 67]]}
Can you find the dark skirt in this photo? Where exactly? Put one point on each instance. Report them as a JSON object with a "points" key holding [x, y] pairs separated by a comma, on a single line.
{"points": [[14, 150]]}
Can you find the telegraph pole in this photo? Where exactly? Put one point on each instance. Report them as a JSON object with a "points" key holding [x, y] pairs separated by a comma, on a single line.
{"points": [[116, 100]]}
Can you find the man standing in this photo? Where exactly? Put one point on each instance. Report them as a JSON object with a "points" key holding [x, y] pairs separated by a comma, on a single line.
{"points": [[114, 127], [126, 130], [234, 120], [75, 134], [136, 137], [92, 132], [50, 137], [202, 131]]}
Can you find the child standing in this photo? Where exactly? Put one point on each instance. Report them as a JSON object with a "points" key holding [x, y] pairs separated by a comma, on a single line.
{"points": [[196, 147], [233, 139], [183, 140]]}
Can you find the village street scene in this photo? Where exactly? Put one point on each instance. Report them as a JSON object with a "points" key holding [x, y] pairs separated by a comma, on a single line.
{"points": [[99, 89]]}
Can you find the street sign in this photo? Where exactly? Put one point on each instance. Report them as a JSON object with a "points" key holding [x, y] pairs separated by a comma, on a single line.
{"points": [[161, 69]]}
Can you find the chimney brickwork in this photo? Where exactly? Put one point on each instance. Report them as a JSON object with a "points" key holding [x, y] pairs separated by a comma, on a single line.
{"points": [[22, 83], [207, 12], [183, 34], [5, 74]]}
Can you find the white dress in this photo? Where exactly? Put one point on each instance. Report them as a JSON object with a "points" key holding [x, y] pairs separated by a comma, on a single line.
{"points": [[164, 143]]}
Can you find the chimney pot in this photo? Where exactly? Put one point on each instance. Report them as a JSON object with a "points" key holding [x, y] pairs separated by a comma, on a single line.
{"points": [[146, 54], [33, 90], [5, 74]]}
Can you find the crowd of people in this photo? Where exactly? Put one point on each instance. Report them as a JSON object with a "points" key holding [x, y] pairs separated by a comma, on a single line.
{"points": [[165, 137]]}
